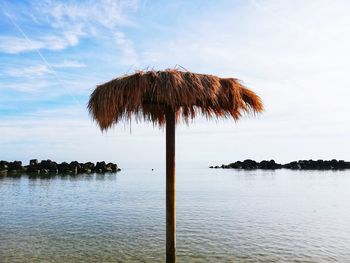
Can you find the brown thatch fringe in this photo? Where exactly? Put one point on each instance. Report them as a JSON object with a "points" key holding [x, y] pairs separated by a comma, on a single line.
{"points": [[146, 95]]}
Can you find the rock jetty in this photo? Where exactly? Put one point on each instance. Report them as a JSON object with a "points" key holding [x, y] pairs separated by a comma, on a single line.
{"points": [[48, 167], [296, 165]]}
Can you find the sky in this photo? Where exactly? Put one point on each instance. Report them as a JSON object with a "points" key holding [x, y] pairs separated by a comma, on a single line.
{"points": [[294, 54]]}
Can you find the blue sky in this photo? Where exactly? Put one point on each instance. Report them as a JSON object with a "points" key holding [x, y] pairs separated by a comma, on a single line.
{"points": [[294, 54]]}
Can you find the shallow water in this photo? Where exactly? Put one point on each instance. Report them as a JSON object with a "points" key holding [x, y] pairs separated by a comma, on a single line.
{"points": [[222, 216]]}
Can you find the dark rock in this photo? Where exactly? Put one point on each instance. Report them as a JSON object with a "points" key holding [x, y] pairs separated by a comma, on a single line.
{"points": [[100, 167], [342, 164], [3, 165], [249, 164], [63, 168], [32, 169], [296, 165], [89, 165], [236, 165], [112, 167], [53, 171], [15, 167], [269, 165], [50, 167], [44, 171], [33, 162], [292, 165], [86, 167], [74, 167]]}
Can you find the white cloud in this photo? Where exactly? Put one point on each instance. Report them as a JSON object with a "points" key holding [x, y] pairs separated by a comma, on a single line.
{"points": [[70, 37], [32, 86], [108, 13], [69, 23], [29, 71], [69, 64], [14, 45], [38, 71], [93, 19], [128, 54]]}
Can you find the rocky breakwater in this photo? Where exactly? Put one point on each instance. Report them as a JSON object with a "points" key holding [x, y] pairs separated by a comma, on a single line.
{"points": [[296, 165], [48, 167]]}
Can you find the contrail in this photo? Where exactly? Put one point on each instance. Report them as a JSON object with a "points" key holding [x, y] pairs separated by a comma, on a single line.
{"points": [[40, 55]]}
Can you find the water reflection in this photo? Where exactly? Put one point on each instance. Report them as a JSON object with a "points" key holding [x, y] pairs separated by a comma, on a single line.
{"points": [[97, 176]]}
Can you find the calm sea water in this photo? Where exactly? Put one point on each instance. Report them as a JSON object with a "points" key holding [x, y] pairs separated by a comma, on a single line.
{"points": [[222, 216]]}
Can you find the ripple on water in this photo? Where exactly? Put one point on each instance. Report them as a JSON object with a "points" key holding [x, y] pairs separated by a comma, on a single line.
{"points": [[223, 216]]}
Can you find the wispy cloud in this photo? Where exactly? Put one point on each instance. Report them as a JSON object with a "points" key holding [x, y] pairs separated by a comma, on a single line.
{"points": [[128, 54], [40, 70], [68, 23], [23, 87], [13, 45], [92, 18], [28, 71], [108, 13], [56, 26], [69, 64]]}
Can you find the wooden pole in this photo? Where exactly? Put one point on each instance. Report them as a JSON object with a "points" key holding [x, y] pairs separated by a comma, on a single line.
{"points": [[170, 188]]}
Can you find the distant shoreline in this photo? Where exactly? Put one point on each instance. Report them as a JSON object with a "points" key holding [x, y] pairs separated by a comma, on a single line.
{"points": [[295, 165], [48, 167]]}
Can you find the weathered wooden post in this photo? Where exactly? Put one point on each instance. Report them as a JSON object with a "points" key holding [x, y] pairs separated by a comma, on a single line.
{"points": [[170, 187]]}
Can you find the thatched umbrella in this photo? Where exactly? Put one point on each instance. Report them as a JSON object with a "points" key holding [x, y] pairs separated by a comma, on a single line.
{"points": [[163, 97]]}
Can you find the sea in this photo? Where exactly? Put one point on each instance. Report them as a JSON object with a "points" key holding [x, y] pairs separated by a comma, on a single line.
{"points": [[223, 215]]}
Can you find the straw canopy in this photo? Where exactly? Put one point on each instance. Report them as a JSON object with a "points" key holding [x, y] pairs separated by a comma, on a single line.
{"points": [[148, 94]]}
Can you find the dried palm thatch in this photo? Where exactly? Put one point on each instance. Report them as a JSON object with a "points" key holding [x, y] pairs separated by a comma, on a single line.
{"points": [[148, 94]]}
